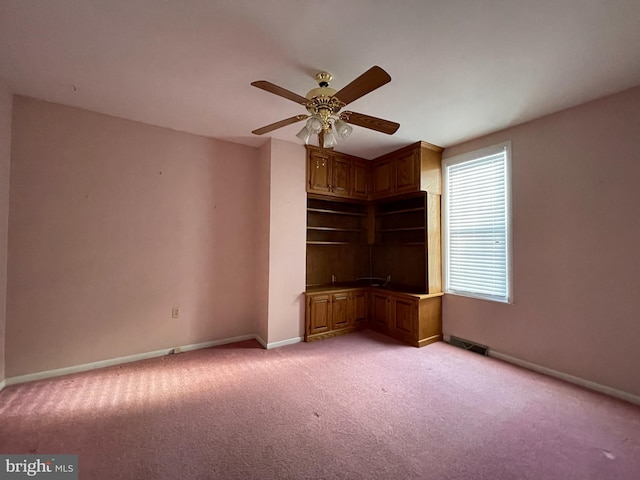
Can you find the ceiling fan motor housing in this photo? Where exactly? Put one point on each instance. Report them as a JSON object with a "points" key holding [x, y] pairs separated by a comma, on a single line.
{"points": [[322, 101]]}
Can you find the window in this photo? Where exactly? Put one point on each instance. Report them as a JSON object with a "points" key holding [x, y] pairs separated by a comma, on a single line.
{"points": [[477, 224]]}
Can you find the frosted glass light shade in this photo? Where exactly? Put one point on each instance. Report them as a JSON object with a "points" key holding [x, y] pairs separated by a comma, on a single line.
{"points": [[314, 124], [342, 128], [304, 134], [329, 139]]}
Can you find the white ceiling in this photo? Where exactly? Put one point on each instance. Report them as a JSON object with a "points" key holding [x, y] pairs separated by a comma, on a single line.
{"points": [[459, 68]]}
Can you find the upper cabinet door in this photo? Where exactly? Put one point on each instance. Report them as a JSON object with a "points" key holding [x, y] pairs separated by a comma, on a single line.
{"points": [[340, 178], [408, 172], [318, 172], [383, 178], [359, 179], [411, 169]]}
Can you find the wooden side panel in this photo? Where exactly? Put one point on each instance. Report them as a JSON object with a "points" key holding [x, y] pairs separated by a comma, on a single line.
{"points": [[434, 256], [430, 323], [431, 168]]}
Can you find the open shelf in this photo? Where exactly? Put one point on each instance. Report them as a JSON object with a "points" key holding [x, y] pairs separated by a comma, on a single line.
{"points": [[401, 221], [336, 223], [350, 240]]}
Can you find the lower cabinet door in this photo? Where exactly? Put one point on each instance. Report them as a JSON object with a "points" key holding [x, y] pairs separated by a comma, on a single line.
{"points": [[405, 318], [360, 307], [318, 314], [379, 310], [340, 314]]}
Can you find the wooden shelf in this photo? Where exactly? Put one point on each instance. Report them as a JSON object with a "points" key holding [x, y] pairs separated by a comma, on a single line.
{"points": [[315, 242], [332, 222], [405, 210], [336, 229], [336, 212], [395, 244], [402, 229]]}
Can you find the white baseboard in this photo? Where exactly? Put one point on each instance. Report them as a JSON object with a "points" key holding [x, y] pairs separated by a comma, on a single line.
{"points": [[261, 341], [128, 359], [629, 397], [282, 343]]}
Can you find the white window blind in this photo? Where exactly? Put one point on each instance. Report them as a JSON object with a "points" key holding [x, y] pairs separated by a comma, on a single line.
{"points": [[477, 224]]}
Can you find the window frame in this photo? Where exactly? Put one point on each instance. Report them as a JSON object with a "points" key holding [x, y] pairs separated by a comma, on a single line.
{"points": [[468, 157]]}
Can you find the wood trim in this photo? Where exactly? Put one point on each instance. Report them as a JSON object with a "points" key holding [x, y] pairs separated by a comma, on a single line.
{"points": [[428, 341], [332, 333]]}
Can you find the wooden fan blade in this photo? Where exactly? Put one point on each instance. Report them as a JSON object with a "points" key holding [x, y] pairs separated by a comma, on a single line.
{"points": [[280, 124], [378, 124], [283, 92], [373, 78]]}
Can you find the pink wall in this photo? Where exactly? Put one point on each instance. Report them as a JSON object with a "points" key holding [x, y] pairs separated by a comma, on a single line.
{"points": [[576, 236], [5, 161], [113, 222], [287, 242], [262, 240]]}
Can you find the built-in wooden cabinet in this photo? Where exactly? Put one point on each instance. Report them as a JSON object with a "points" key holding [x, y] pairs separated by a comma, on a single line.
{"points": [[412, 318], [411, 169], [380, 219], [336, 174], [328, 173], [415, 319], [335, 312]]}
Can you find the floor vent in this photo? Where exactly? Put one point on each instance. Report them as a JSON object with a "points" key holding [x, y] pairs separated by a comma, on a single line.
{"points": [[468, 345]]}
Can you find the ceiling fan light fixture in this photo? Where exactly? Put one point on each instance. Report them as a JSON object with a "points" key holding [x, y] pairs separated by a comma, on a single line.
{"points": [[329, 140], [342, 128], [314, 124]]}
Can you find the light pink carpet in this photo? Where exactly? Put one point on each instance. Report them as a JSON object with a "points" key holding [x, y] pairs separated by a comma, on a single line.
{"points": [[357, 406]]}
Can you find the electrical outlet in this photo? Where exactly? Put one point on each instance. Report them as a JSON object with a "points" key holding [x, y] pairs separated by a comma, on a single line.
{"points": [[175, 312]]}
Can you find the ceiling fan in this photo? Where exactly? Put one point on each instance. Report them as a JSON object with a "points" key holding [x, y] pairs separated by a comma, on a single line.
{"points": [[324, 104]]}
